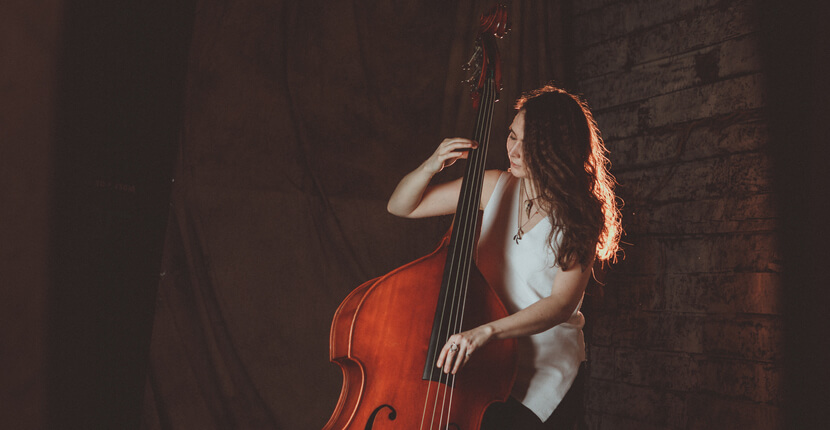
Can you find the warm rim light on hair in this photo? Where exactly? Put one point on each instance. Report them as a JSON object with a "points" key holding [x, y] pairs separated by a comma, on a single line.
{"points": [[569, 167]]}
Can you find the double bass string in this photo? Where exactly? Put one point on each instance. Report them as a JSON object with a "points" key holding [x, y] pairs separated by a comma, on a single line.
{"points": [[463, 230], [459, 275], [483, 135]]}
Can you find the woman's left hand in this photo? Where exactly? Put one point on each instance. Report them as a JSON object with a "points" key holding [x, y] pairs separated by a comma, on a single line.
{"points": [[460, 347]]}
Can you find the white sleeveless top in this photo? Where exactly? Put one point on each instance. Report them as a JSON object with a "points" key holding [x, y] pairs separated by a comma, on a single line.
{"points": [[521, 274]]}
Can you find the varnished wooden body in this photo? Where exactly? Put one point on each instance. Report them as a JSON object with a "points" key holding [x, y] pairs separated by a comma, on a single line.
{"points": [[380, 335]]}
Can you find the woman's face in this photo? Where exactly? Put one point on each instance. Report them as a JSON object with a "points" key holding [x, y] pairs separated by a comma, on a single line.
{"points": [[515, 141]]}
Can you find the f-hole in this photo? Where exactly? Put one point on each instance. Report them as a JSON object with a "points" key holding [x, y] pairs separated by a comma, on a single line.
{"points": [[392, 415], [371, 422]]}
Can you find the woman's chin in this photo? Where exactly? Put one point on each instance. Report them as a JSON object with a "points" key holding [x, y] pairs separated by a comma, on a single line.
{"points": [[517, 172]]}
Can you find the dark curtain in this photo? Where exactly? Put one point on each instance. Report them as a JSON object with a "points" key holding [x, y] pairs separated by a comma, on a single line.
{"points": [[300, 118]]}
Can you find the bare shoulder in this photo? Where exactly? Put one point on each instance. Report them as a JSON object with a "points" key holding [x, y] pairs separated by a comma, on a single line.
{"points": [[491, 178]]}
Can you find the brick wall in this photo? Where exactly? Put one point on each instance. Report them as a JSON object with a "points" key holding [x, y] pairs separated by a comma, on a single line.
{"points": [[688, 333]]}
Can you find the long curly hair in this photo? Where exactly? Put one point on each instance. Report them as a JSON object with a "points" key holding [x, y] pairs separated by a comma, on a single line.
{"points": [[568, 166]]}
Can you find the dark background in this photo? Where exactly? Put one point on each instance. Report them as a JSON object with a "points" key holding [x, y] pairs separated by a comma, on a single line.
{"points": [[190, 190]]}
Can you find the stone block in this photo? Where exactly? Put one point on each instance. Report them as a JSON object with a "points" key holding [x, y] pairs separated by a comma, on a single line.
{"points": [[750, 174], [719, 98], [623, 423], [657, 369], [740, 379], [734, 175], [751, 213], [706, 104], [650, 330], [629, 292], [659, 408], [582, 7], [739, 56], [601, 361], [626, 17], [738, 252], [636, 83], [700, 103], [593, 420], [713, 412], [622, 121], [687, 181], [718, 136], [601, 59], [640, 255], [757, 338], [708, 293], [694, 31]]}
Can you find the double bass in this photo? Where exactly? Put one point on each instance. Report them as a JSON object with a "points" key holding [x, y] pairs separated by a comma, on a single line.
{"points": [[387, 334]]}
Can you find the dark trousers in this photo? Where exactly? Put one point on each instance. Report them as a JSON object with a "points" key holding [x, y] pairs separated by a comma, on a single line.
{"points": [[512, 415]]}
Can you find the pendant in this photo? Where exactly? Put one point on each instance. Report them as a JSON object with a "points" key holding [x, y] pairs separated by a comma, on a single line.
{"points": [[518, 236]]}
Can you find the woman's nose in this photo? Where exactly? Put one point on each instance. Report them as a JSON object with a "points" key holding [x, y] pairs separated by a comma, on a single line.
{"points": [[513, 150]]}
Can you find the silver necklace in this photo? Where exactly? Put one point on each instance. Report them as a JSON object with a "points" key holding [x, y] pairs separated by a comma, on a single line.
{"points": [[528, 204]]}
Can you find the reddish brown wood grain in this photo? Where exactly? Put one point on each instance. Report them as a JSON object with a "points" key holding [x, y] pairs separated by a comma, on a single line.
{"points": [[380, 337]]}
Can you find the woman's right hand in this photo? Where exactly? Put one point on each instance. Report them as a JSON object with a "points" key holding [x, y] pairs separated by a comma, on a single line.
{"points": [[414, 197], [447, 153]]}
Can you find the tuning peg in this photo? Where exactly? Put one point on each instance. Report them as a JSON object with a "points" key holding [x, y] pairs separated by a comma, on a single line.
{"points": [[474, 60]]}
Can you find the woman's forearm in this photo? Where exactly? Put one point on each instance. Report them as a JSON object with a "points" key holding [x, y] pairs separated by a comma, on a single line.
{"points": [[409, 192], [536, 318], [413, 196]]}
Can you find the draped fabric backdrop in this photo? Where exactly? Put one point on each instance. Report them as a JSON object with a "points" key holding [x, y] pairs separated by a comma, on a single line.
{"points": [[300, 118]]}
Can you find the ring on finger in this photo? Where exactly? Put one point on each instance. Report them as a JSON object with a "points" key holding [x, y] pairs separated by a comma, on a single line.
{"points": [[453, 347]]}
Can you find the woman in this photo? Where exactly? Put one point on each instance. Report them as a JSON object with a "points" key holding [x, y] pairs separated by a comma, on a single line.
{"points": [[546, 221]]}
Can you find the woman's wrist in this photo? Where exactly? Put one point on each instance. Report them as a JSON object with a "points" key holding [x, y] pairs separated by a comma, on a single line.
{"points": [[491, 331], [427, 170]]}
